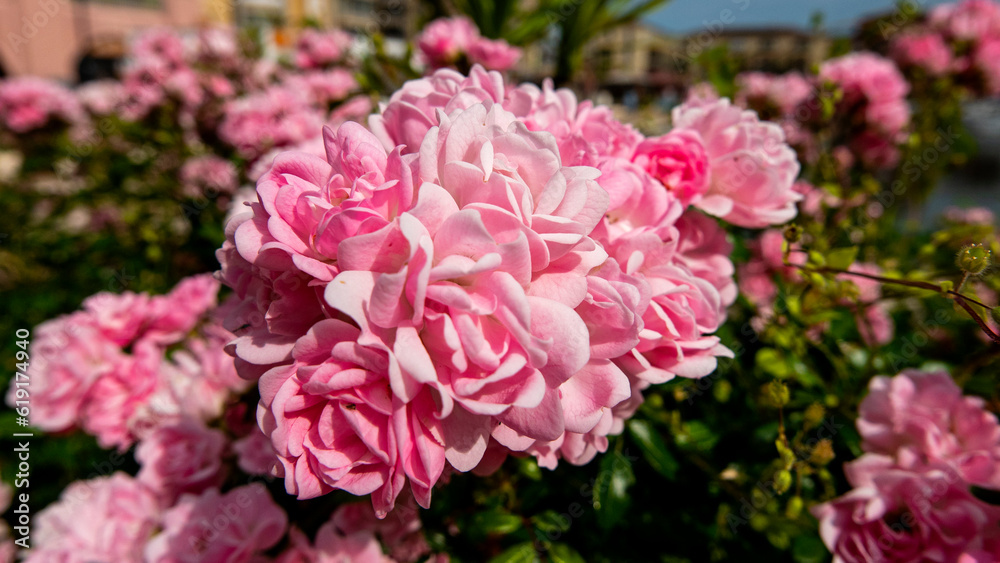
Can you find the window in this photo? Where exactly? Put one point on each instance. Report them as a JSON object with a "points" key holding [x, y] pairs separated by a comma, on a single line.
{"points": [[359, 7]]}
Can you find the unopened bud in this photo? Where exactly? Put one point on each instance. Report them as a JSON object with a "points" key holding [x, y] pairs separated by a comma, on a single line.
{"points": [[793, 233], [779, 393], [974, 259], [794, 508], [782, 481]]}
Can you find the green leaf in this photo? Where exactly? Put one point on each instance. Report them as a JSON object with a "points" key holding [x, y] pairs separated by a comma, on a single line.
{"points": [[528, 467], [700, 436], [495, 523], [611, 490], [772, 362], [842, 258], [808, 549], [653, 448], [562, 553], [551, 522], [520, 553]]}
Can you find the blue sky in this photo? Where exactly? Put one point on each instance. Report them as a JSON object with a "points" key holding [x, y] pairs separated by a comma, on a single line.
{"points": [[682, 16]]}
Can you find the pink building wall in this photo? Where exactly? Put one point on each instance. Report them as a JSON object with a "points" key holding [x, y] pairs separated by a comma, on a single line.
{"points": [[48, 37]]}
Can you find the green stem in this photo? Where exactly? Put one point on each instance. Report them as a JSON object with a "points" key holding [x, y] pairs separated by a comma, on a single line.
{"points": [[960, 298]]}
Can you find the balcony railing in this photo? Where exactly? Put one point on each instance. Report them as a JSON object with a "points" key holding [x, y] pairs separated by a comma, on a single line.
{"points": [[144, 4]]}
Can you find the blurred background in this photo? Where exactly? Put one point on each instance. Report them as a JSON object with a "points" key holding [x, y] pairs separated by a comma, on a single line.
{"points": [[131, 130], [640, 56]]}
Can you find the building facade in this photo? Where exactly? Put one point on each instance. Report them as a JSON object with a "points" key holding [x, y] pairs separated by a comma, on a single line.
{"points": [[643, 60], [59, 38], [55, 38]]}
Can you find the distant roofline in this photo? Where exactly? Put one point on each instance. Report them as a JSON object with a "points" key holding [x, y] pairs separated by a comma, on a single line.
{"points": [[730, 31]]}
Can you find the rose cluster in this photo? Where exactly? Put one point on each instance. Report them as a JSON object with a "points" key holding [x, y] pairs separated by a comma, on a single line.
{"points": [[488, 269], [118, 518], [925, 445], [874, 89], [958, 40], [317, 49], [870, 117], [129, 363], [29, 103], [209, 86], [447, 42], [153, 370]]}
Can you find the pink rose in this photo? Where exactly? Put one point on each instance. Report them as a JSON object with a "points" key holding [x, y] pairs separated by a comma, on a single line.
{"points": [[493, 54], [926, 50], [218, 528], [68, 355], [103, 519], [401, 531], [678, 161], [101, 97], [781, 94], [86, 379], [334, 423], [444, 40], [254, 454], [923, 418], [29, 103], [751, 168], [320, 49], [326, 87], [986, 59], [208, 177], [279, 116], [331, 546], [968, 19], [896, 514], [413, 109], [185, 457], [120, 317], [175, 314], [874, 86], [160, 44], [876, 325], [586, 134]]}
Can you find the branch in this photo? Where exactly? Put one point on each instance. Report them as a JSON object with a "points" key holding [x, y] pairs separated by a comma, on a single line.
{"points": [[960, 298]]}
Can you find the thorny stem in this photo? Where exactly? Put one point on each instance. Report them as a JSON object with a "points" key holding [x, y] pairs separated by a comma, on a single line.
{"points": [[961, 284], [960, 298]]}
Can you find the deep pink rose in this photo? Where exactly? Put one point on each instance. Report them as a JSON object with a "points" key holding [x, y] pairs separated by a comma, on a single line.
{"points": [[678, 160]]}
